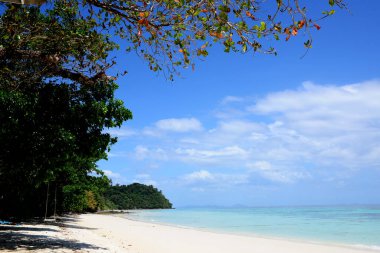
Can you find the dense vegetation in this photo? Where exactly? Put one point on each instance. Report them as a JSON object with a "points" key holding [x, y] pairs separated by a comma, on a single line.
{"points": [[135, 196], [52, 127]]}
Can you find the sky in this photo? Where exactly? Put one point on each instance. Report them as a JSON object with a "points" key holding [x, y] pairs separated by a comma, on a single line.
{"points": [[260, 130]]}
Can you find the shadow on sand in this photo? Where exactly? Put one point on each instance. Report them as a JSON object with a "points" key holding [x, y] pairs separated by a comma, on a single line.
{"points": [[14, 237]]}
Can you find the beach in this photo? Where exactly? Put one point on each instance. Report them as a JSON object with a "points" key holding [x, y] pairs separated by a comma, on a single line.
{"points": [[110, 233]]}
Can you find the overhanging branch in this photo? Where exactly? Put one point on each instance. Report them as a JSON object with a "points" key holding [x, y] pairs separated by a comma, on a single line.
{"points": [[53, 66]]}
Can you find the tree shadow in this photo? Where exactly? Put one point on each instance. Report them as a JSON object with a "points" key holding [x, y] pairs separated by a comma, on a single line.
{"points": [[75, 226], [11, 240], [22, 228], [14, 237], [65, 223]]}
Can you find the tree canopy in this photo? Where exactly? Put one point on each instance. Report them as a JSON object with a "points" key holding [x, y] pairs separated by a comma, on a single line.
{"points": [[52, 127], [136, 196], [168, 33], [171, 33]]}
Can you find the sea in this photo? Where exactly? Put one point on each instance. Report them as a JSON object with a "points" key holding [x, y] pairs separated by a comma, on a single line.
{"points": [[358, 226]]}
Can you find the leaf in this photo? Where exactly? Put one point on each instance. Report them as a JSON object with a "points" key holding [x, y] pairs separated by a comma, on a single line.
{"points": [[301, 24], [224, 8], [332, 2], [244, 48], [317, 26], [307, 44], [250, 15], [263, 26], [279, 3], [216, 34], [294, 31]]}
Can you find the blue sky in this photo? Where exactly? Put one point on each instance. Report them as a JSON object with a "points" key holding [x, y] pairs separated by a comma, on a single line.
{"points": [[260, 129]]}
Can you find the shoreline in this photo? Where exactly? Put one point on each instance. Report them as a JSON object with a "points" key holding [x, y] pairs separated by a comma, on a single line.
{"points": [[143, 233], [372, 248], [111, 233], [125, 214]]}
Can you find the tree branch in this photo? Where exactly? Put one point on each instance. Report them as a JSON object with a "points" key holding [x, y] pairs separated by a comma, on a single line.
{"points": [[53, 68]]}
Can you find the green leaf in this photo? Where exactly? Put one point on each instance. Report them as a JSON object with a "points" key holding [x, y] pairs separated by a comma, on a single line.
{"points": [[244, 48], [263, 26], [307, 44], [279, 3]]}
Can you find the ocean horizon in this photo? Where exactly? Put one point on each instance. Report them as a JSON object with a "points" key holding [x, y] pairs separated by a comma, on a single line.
{"points": [[354, 225]]}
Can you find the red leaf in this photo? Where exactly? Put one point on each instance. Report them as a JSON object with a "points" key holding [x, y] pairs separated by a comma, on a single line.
{"points": [[301, 24], [294, 31]]}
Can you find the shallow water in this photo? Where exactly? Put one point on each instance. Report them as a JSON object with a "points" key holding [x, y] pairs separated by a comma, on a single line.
{"points": [[355, 225]]}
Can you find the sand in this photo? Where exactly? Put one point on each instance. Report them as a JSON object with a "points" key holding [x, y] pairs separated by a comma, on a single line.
{"points": [[106, 233]]}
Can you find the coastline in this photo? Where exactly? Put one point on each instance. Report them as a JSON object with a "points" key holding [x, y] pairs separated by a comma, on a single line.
{"points": [[372, 248], [112, 233]]}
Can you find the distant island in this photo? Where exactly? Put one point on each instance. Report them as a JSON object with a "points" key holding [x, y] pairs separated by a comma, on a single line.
{"points": [[135, 196]]}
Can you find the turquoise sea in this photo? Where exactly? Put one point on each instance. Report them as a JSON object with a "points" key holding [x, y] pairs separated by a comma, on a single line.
{"points": [[354, 225]]}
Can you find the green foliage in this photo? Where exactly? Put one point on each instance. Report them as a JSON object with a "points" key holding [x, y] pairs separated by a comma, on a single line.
{"points": [[136, 196], [170, 33], [52, 115], [54, 133]]}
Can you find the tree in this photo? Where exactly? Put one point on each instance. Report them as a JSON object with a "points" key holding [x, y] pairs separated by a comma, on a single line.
{"points": [[136, 196], [52, 119], [170, 33]]}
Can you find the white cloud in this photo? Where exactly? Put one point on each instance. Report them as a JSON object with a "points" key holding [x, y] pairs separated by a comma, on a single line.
{"points": [[202, 175], [261, 166], [227, 151], [216, 179], [197, 189], [179, 125], [144, 179], [115, 177], [122, 132], [314, 108], [283, 137], [143, 152], [276, 173], [111, 174], [189, 140], [231, 99], [152, 132]]}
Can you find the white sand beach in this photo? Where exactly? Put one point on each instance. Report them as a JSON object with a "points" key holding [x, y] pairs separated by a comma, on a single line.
{"points": [[106, 233]]}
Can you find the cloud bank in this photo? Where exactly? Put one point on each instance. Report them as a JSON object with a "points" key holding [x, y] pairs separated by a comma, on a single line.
{"points": [[316, 131]]}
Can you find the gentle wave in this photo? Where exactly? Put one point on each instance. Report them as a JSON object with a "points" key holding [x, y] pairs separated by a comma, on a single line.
{"points": [[358, 226]]}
